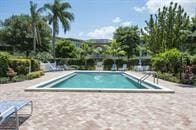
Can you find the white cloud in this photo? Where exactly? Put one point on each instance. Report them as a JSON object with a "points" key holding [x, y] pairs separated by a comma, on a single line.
{"points": [[126, 23], [103, 32], [139, 9], [80, 34], [117, 20], [188, 5]]}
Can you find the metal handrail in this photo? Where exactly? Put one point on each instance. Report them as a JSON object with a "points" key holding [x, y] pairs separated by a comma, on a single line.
{"points": [[147, 75]]}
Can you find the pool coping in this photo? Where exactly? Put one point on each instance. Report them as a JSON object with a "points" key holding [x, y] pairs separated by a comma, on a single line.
{"points": [[37, 89]]}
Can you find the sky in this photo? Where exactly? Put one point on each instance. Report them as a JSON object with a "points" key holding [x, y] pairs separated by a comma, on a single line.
{"points": [[98, 19]]}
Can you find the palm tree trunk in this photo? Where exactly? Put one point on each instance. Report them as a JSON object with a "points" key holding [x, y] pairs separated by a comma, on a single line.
{"points": [[34, 38], [53, 41]]}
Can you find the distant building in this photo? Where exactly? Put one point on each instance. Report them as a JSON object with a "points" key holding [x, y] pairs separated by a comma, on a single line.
{"points": [[95, 43], [76, 42], [99, 43]]}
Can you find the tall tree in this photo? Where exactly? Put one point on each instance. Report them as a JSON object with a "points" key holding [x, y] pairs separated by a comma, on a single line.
{"points": [[191, 40], [129, 37], [17, 31], [58, 12], [167, 29], [35, 17], [66, 49]]}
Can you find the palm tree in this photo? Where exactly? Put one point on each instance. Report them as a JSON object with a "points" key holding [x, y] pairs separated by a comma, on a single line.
{"points": [[35, 16], [58, 12], [115, 49]]}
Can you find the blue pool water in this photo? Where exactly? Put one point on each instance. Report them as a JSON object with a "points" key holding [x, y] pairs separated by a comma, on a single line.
{"points": [[98, 80]]}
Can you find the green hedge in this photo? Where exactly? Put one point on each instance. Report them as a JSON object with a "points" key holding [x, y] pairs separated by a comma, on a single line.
{"points": [[78, 62], [119, 62], [35, 74], [108, 64], [3, 63], [35, 65], [194, 69], [21, 66], [90, 62], [168, 77]]}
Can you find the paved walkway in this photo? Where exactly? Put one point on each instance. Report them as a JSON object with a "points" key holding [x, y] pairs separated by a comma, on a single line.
{"points": [[106, 111]]}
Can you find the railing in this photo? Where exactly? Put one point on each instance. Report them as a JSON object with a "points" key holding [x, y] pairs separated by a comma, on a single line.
{"points": [[147, 75]]}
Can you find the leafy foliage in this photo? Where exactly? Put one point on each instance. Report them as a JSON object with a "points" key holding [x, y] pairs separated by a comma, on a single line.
{"points": [[128, 37], [17, 31], [190, 44], [4, 57], [115, 49], [21, 66], [167, 29], [85, 50], [170, 61], [43, 56], [66, 49], [35, 74]]}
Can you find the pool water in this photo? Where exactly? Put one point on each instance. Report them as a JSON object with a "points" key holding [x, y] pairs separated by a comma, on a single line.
{"points": [[98, 80]]}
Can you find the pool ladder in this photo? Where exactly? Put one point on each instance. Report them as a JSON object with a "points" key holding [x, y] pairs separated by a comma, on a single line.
{"points": [[147, 75]]}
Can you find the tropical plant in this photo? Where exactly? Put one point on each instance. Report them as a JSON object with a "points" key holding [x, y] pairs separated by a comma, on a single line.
{"points": [[65, 49], [172, 61], [115, 49], [167, 29], [58, 12], [35, 17], [129, 37], [85, 50]]}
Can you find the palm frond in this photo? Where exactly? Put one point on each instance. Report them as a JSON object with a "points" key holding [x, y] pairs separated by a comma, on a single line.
{"points": [[65, 5], [49, 7], [68, 15]]}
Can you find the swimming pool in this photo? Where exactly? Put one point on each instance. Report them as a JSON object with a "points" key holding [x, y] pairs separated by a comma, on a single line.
{"points": [[98, 81]]}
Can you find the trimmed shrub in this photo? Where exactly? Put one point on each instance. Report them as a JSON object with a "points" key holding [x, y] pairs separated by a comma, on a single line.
{"points": [[90, 62], [168, 77], [4, 57], [35, 74], [35, 65], [120, 62], [78, 62], [146, 62], [108, 64], [4, 80], [19, 78], [132, 62], [21, 66]]}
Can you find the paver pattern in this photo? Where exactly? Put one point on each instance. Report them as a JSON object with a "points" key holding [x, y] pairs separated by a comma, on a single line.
{"points": [[106, 111]]}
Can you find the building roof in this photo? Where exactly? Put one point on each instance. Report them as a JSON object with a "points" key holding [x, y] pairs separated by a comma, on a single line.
{"points": [[100, 41]]}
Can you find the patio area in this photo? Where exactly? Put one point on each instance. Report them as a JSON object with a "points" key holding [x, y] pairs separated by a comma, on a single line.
{"points": [[106, 111]]}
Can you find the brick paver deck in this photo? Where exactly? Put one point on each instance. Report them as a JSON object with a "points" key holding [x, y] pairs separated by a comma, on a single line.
{"points": [[106, 111]]}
